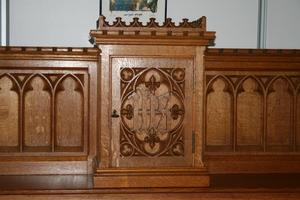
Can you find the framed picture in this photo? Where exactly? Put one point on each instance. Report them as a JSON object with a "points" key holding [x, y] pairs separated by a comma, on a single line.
{"points": [[128, 9]]}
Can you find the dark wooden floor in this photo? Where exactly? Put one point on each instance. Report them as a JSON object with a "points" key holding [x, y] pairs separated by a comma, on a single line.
{"points": [[223, 187]]}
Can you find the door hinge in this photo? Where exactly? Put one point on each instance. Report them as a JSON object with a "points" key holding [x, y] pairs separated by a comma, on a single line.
{"points": [[193, 141]]}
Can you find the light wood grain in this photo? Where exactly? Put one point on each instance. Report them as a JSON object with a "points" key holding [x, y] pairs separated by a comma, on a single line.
{"points": [[45, 123], [263, 91]]}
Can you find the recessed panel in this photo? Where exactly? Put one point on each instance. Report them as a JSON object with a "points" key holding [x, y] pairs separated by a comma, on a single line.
{"points": [[219, 114], [69, 113], [279, 113], [37, 113], [151, 111], [250, 114], [9, 113]]}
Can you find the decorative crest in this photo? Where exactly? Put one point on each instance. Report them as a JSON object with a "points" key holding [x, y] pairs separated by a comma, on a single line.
{"points": [[185, 33], [199, 24]]}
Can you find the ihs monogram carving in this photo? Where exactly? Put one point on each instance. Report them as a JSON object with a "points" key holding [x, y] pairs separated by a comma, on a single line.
{"points": [[152, 112]]}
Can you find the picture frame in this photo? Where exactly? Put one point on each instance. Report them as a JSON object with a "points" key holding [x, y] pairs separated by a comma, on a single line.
{"points": [[129, 9]]}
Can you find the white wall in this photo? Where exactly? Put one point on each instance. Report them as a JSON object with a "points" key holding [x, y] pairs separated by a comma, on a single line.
{"points": [[52, 22], [235, 21], [68, 22], [283, 24], [3, 22]]}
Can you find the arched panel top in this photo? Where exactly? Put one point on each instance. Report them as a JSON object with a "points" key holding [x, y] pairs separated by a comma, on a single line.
{"points": [[280, 83], [12, 83], [39, 82], [219, 82], [69, 82], [250, 84]]}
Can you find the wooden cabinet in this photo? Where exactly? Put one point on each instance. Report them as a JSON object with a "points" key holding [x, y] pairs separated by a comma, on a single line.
{"points": [[151, 104]]}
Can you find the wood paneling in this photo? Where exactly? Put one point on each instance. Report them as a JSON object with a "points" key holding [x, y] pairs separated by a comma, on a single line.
{"points": [[44, 109], [279, 115], [264, 106], [9, 116], [37, 115], [219, 114], [69, 114], [249, 112], [154, 106]]}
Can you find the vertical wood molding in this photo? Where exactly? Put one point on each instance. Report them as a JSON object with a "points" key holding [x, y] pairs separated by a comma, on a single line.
{"points": [[262, 24]]}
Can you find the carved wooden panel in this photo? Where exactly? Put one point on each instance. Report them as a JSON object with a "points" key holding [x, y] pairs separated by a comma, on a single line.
{"points": [[219, 113], [249, 112], [69, 113], [152, 112], [42, 112], [279, 114], [265, 113], [152, 97], [9, 116], [262, 107], [37, 113], [48, 110]]}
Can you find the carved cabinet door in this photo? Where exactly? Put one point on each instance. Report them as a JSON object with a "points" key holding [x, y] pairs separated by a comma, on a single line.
{"points": [[152, 111]]}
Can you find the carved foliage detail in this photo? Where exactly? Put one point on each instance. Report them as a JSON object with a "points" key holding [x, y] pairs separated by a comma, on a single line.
{"points": [[152, 112]]}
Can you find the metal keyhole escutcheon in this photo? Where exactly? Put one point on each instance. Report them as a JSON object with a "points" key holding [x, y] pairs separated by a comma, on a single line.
{"points": [[115, 114]]}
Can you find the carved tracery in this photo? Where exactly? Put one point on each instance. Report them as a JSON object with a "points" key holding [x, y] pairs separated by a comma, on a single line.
{"points": [[152, 112]]}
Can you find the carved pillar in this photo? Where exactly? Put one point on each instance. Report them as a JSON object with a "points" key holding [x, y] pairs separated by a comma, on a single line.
{"points": [[151, 82]]}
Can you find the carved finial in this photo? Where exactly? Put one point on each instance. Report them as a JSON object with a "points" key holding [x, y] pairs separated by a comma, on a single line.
{"points": [[119, 22], [169, 23], [152, 23], [135, 22], [202, 22], [185, 23]]}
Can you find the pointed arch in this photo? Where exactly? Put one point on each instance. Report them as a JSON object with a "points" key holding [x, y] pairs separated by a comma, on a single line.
{"points": [[9, 111], [219, 112], [37, 92], [229, 85], [279, 112], [69, 113], [250, 111]]}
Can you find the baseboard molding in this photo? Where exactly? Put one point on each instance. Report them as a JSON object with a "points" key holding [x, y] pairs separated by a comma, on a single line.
{"points": [[252, 164], [151, 178], [43, 167]]}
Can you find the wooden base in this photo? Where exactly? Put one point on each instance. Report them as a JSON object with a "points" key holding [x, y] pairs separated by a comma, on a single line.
{"points": [[78, 187], [151, 178], [64, 167], [252, 164]]}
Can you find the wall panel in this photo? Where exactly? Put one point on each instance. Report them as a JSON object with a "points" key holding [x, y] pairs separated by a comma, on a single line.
{"points": [[45, 114], [265, 110]]}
